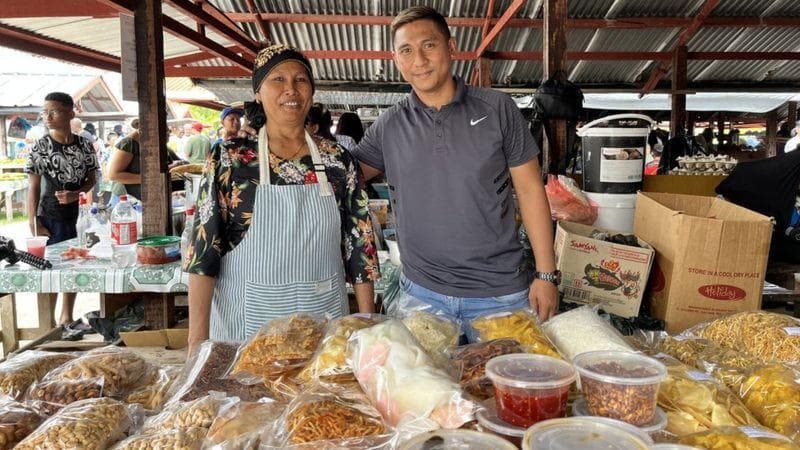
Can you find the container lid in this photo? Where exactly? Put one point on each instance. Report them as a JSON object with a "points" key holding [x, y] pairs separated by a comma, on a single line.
{"points": [[457, 440], [529, 371], [581, 432], [667, 446], [616, 367], [659, 422], [487, 418], [159, 241]]}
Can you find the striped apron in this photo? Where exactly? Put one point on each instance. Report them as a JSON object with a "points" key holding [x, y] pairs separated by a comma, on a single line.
{"points": [[289, 261]]}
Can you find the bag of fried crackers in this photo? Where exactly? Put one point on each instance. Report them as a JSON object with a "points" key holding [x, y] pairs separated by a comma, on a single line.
{"points": [[521, 325], [739, 438], [330, 359], [199, 413], [468, 364], [693, 351], [181, 438], [239, 425], [435, 331], [17, 421], [760, 334], [121, 370], [694, 401], [153, 394], [323, 419], [281, 345], [19, 372]]}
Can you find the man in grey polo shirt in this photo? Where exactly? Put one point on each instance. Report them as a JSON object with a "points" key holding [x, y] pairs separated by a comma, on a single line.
{"points": [[452, 154]]}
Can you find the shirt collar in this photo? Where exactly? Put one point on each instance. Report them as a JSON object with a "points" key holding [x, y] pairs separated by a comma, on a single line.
{"points": [[461, 92]]}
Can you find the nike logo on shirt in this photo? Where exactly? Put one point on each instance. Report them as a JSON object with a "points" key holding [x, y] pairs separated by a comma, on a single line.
{"points": [[474, 122]]}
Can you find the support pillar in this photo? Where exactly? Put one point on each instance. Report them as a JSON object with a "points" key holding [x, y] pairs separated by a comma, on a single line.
{"points": [[791, 114], [555, 56], [772, 133], [677, 121]]}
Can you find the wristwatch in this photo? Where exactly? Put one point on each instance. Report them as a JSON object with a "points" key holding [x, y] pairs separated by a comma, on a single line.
{"points": [[553, 277]]}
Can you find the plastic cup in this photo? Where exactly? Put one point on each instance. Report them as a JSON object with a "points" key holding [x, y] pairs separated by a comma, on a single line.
{"points": [[456, 439], [36, 245], [620, 385], [489, 422], [530, 388], [123, 255], [585, 433]]}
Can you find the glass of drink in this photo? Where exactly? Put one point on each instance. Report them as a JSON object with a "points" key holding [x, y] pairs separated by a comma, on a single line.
{"points": [[36, 245]]}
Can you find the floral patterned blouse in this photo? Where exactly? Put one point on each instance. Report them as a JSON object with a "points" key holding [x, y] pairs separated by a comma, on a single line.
{"points": [[222, 221]]}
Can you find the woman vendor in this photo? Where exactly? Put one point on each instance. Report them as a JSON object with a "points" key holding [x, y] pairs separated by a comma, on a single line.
{"points": [[281, 220]]}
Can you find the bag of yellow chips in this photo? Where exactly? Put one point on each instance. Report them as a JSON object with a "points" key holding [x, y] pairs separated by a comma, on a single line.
{"points": [[521, 325], [772, 393], [739, 438]]}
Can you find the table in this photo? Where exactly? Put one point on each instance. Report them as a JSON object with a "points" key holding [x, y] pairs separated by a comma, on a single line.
{"points": [[9, 188]]}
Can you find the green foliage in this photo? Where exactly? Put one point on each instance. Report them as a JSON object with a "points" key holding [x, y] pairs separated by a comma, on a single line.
{"points": [[206, 116]]}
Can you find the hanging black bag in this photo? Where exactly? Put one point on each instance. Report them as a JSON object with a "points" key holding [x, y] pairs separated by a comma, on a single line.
{"points": [[558, 98]]}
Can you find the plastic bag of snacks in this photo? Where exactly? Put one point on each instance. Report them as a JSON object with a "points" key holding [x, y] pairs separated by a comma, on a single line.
{"points": [[772, 394], [204, 371], [198, 413], [468, 364], [280, 346], [739, 438], [521, 325], [121, 370], [582, 330], [400, 379], [695, 402], [183, 439], [91, 424], [434, 333], [52, 395], [330, 360], [239, 425], [153, 394], [17, 420], [694, 352], [763, 335], [320, 418], [19, 372]]}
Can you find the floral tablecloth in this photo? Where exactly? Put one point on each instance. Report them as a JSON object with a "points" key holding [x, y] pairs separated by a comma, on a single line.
{"points": [[101, 275]]}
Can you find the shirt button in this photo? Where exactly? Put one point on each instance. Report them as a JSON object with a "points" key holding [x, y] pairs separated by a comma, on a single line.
{"points": [[439, 134], [438, 122]]}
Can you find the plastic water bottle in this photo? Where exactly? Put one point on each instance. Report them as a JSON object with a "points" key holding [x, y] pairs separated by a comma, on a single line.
{"points": [[83, 219], [186, 236], [123, 223]]}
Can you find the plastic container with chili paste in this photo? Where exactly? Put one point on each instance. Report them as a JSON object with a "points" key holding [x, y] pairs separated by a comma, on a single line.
{"points": [[585, 433], [456, 440], [158, 249], [620, 385], [530, 388]]}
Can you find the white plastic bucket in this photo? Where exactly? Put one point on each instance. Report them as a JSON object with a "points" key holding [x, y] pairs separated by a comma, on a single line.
{"points": [[614, 211]]}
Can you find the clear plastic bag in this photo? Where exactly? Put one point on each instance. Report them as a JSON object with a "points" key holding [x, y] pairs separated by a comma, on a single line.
{"points": [[772, 393], [179, 439], [401, 381], [87, 424], [434, 331], [121, 370], [204, 370], [19, 372], [330, 359], [153, 394], [17, 420], [763, 335], [52, 395], [280, 346], [521, 325], [739, 438], [198, 413], [320, 418], [468, 364], [582, 330], [567, 202], [239, 425]]}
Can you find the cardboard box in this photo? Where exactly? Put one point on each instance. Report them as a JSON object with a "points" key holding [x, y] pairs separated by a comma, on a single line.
{"points": [[599, 272], [172, 338], [704, 185], [711, 256]]}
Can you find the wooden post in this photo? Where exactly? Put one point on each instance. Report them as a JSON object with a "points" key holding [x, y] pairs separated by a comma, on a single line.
{"points": [[156, 216], [772, 133], [721, 129], [482, 73], [555, 56], [3, 138], [8, 321], [44, 311], [677, 121], [791, 114]]}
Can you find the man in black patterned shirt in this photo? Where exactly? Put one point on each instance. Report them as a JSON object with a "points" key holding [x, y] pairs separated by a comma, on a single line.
{"points": [[60, 166]]}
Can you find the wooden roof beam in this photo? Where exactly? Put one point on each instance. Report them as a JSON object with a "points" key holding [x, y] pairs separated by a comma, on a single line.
{"points": [[193, 37], [208, 14], [23, 9], [262, 24], [510, 12], [683, 39], [27, 41]]}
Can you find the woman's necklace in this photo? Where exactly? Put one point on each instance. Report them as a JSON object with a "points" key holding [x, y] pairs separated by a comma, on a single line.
{"points": [[293, 156]]}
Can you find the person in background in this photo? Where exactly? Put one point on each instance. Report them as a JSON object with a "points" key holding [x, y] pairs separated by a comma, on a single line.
{"points": [[111, 139], [783, 131], [124, 166], [60, 166], [319, 122], [452, 154], [282, 213], [197, 145], [705, 141], [349, 125], [231, 119], [119, 131]]}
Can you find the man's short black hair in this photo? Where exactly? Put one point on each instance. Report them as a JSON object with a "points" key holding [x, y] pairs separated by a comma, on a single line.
{"points": [[420, 12], [60, 97]]}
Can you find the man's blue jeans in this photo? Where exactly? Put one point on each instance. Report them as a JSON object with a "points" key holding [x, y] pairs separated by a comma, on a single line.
{"points": [[464, 309]]}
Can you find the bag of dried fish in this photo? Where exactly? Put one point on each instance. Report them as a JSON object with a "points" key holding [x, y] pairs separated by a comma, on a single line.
{"points": [[763, 335], [281, 345], [521, 325], [240, 424], [581, 330], [178, 439], [121, 370], [53, 394], [17, 420], [330, 360], [695, 402], [19, 372], [739, 438], [468, 364]]}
